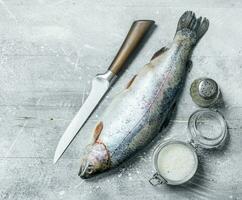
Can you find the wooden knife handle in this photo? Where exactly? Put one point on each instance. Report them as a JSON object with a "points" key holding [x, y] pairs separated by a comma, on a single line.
{"points": [[136, 33]]}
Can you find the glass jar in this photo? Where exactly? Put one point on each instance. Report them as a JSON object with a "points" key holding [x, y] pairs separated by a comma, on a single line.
{"points": [[175, 161]]}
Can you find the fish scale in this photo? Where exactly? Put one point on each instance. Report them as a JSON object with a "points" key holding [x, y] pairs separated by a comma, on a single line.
{"points": [[135, 116]]}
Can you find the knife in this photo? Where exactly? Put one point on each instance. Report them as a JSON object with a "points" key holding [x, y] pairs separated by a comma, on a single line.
{"points": [[102, 82]]}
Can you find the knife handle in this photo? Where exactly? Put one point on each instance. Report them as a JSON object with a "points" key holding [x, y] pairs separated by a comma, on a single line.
{"points": [[137, 31]]}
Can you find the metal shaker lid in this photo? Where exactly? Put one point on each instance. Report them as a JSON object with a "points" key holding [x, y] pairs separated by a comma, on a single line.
{"points": [[204, 92]]}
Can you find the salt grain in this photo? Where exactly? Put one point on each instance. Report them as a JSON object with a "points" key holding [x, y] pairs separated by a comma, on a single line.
{"points": [[176, 162]]}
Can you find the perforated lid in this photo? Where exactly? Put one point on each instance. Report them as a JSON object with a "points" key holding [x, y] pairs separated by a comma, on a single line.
{"points": [[208, 128], [208, 88], [204, 92]]}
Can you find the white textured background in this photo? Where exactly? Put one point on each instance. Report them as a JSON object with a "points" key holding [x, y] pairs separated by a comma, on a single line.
{"points": [[50, 50]]}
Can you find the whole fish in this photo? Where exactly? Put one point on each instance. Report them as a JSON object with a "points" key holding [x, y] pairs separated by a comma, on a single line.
{"points": [[136, 115]]}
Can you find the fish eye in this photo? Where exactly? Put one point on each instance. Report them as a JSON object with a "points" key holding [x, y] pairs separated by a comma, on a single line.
{"points": [[90, 169]]}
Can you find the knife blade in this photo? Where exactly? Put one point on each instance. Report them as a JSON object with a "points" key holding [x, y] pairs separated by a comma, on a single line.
{"points": [[101, 83]]}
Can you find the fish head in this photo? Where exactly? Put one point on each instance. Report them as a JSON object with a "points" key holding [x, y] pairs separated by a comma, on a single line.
{"points": [[97, 160]]}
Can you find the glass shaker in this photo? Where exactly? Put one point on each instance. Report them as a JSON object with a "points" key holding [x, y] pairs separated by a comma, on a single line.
{"points": [[205, 92]]}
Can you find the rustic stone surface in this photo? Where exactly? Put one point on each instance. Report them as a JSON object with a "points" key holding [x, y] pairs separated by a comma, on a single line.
{"points": [[49, 52]]}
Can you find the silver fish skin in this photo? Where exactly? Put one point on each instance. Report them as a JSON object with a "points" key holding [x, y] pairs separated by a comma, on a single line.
{"points": [[136, 115]]}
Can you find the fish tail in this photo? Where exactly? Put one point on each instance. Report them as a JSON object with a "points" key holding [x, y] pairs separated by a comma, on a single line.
{"points": [[188, 23]]}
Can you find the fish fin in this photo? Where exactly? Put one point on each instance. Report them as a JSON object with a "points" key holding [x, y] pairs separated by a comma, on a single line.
{"points": [[97, 131], [169, 115], [189, 21], [130, 82], [161, 51], [189, 65]]}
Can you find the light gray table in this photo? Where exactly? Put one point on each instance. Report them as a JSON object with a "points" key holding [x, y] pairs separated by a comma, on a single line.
{"points": [[50, 50]]}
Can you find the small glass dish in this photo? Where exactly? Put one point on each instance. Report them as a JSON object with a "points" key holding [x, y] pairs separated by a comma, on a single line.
{"points": [[175, 161]]}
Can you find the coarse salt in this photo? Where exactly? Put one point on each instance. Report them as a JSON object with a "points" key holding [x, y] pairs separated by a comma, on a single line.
{"points": [[177, 162]]}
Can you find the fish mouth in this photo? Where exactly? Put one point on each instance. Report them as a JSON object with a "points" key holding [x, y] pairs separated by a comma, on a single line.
{"points": [[86, 170], [96, 161], [82, 171], [82, 174]]}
